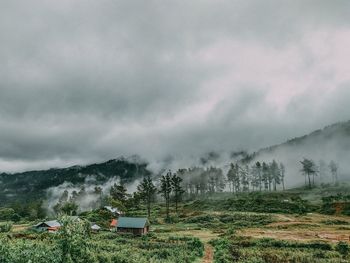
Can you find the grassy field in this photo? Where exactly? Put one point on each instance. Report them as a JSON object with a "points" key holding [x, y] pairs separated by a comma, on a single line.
{"points": [[194, 234]]}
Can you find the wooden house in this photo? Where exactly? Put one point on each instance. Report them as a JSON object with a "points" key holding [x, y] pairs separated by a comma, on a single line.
{"points": [[134, 225]]}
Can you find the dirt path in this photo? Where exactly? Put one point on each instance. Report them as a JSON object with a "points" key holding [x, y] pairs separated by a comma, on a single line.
{"points": [[208, 254], [205, 236]]}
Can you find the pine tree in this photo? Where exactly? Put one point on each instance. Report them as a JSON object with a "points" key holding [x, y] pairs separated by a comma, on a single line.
{"points": [[308, 169], [147, 191], [255, 177], [259, 172], [334, 171], [177, 189], [265, 175], [236, 178], [118, 193], [230, 177], [275, 174], [244, 172], [283, 174], [165, 190]]}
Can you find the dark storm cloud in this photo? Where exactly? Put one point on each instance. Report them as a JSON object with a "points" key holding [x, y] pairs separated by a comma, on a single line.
{"points": [[169, 80]]}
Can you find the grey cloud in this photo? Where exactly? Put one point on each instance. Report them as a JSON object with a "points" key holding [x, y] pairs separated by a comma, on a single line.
{"points": [[90, 80]]}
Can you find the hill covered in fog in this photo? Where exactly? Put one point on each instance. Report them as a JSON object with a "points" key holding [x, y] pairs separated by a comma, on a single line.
{"points": [[329, 143], [33, 184]]}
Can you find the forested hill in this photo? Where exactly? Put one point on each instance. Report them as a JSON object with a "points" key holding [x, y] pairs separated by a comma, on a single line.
{"points": [[329, 143], [33, 184]]}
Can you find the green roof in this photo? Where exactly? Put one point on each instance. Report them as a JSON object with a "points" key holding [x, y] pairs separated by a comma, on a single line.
{"points": [[132, 222]]}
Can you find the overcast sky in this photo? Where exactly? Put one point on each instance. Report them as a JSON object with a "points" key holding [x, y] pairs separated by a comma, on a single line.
{"points": [[84, 81]]}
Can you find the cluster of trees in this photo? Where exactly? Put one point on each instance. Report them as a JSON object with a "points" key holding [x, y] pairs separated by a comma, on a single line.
{"points": [[260, 176], [310, 170], [15, 211], [68, 202], [172, 187]]}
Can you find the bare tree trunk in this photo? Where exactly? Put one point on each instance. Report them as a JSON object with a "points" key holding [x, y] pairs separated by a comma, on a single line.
{"points": [[309, 181], [149, 208]]}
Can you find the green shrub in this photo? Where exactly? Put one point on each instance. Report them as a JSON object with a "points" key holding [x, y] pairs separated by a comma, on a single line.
{"points": [[343, 248], [335, 222], [5, 227]]}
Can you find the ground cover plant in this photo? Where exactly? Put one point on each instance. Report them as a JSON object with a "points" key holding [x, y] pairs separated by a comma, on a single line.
{"points": [[216, 228], [73, 243], [236, 249]]}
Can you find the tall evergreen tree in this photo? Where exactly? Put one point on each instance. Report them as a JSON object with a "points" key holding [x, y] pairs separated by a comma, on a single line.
{"points": [[165, 190], [231, 176], [308, 169], [259, 172], [118, 193], [334, 171], [255, 177], [236, 178], [265, 175], [275, 174], [147, 191], [177, 189], [283, 174], [244, 172]]}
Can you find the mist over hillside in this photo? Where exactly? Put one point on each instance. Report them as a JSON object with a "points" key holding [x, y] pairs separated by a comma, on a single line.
{"points": [[38, 184], [329, 143]]}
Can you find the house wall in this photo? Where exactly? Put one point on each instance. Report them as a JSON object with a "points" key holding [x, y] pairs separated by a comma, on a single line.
{"points": [[134, 231]]}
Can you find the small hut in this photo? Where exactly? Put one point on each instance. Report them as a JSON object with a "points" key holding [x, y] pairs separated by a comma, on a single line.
{"points": [[95, 228], [134, 225]]}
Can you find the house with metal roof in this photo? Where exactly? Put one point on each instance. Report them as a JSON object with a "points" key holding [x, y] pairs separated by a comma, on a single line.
{"points": [[135, 225], [50, 226]]}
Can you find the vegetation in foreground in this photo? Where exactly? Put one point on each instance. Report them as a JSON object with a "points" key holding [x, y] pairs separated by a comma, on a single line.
{"points": [[192, 218], [234, 237]]}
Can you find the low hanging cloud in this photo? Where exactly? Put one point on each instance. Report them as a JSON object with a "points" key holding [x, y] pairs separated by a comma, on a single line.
{"points": [[84, 81]]}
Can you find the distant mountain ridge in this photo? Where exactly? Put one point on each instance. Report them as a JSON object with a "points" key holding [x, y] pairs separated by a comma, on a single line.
{"points": [[34, 183]]}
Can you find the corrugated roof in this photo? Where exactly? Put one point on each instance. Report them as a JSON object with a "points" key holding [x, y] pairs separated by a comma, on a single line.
{"points": [[95, 227], [132, 222], [52, 223]]}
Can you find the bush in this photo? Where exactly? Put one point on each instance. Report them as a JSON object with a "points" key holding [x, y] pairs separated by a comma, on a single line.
{"points": [[5, 227], [335, 222], [343, 248]]}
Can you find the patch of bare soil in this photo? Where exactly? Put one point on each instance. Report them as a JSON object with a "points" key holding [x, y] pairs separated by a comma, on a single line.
{"points": [[208, 254], [302, 228], [299, 235]]}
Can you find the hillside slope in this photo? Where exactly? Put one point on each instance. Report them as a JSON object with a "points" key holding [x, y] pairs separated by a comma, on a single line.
{"points": [[33, 184], [330, 143]]}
